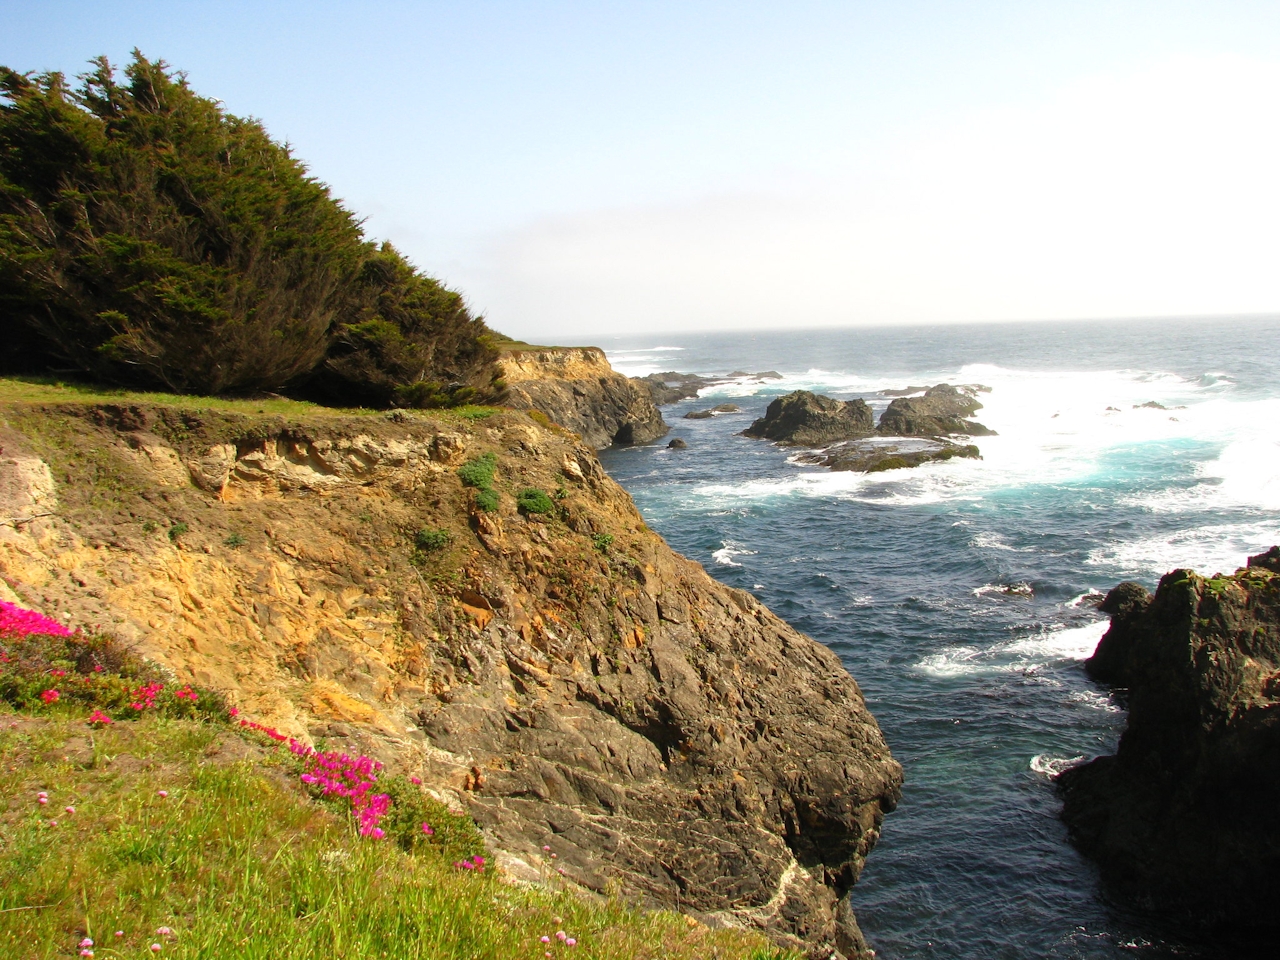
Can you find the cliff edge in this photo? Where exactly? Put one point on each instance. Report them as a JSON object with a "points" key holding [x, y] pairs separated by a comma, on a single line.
{"points": [[577, 388], [1183, 817], [548, 664]]}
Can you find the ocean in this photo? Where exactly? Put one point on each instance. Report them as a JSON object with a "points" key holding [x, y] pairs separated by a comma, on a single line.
{"points": [[961, 595]]}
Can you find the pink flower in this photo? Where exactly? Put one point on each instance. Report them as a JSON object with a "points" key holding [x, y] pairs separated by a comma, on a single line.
{"points": [[86, 952], [73, 810], [49, 696], [560, 934], [86, 942], [155, 948], [53, 823], [98, 719], [546, 939], [426, 828], [570, 942], [546, 849], [164, 932], [42, 798], [162, 793], [119, 933]]}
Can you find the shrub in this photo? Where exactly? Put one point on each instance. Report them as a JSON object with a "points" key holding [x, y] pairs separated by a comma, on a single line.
{"points": [[234, 541], [178, 529], [603, 541], [478, 472], [427, 540], [486, 500], [533, 500]]}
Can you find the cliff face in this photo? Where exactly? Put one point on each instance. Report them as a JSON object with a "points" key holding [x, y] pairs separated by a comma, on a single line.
{"points": [[566, 678], [1183, 817], [576, 387]]}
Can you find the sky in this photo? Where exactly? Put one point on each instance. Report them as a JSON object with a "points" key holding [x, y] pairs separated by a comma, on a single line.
{"points": [[581, 169]]}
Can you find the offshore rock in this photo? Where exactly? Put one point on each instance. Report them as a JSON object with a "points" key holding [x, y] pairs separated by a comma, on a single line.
{"points": [[1183, 817], [942, 410], [576, 388], [803, 418], [568, 679], [877, 454]]}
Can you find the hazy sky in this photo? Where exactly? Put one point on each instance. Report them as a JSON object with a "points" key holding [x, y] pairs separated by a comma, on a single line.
{"points": [[578, 169]]}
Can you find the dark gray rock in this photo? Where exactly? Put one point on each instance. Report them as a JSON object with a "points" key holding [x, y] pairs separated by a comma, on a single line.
{"points": [[803, 418], [1182, 819], [942, 410], [875, 455], [677, 444], [708, 414]]}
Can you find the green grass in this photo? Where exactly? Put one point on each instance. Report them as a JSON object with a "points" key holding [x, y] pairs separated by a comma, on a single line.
{"points": [[239, 863], [41, 390]]}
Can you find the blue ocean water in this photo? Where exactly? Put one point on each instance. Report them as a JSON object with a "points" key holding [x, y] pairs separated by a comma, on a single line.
{"points": [[961, 594]]}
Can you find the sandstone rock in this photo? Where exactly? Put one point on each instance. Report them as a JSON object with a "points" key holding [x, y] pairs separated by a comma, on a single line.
{"points": [[1182, 817], [803, 418], [671, 738], [576, 387], [942, 410]]}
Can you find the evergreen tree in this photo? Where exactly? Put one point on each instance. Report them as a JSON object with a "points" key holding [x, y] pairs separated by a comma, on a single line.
{"points": [[147, 237]]}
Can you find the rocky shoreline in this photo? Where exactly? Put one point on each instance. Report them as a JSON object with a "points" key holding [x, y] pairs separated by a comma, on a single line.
{"points": [[1181, 819], [559, 672]]}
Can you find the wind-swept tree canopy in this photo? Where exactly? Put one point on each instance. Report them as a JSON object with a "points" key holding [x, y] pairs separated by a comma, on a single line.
{"points": [[148, 237]]}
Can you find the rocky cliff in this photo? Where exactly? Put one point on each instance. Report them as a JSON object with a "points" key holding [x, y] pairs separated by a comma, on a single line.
{"points": [[562, 675], [576, 387], [1183, 817]]}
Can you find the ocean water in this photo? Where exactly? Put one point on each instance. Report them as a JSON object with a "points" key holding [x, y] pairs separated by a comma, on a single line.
{"points": [[962, 595]]}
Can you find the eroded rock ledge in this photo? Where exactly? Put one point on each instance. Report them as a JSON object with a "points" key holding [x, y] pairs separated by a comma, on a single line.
{"points": [[569, 679], [1183, 817], [577, 388]]}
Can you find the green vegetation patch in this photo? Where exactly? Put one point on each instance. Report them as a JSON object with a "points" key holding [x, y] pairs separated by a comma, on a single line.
{"points": [[479, 472], [533, 500], [486, 500]]}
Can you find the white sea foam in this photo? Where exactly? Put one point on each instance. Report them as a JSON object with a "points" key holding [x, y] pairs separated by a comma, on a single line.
{"points": [[728, 550], [1215, 548], [1094, 701], [1049, 766], [1024, 655], [1058, 427]]}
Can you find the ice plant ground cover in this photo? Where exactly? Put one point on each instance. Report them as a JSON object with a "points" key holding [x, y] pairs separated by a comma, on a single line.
{"points": [[137, 819]]}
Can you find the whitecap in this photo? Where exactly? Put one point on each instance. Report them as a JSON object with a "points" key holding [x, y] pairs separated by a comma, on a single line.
{"points": [[1095, 700], [728, 550], [1051, 767], [1024, 655]]}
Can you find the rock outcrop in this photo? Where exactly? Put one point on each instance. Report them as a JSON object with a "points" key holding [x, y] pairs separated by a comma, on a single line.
{"points": [[943, 410], [1183, 817], [877, 454], [576, 387], [564, 677], [803, 418]]}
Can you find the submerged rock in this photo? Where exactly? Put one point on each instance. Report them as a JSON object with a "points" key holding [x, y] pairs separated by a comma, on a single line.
{"points": [[677, 444], [803, 418], [942, 410], [1183, 817], [708, 414]]}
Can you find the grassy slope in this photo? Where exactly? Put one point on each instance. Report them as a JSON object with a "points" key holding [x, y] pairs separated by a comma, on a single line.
{"points": [[238, 862]]}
